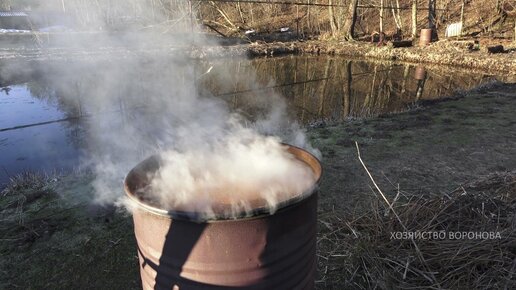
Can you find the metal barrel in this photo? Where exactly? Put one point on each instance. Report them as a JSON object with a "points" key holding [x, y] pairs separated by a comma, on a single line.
{"points": [[266, 251], [426, 37]]}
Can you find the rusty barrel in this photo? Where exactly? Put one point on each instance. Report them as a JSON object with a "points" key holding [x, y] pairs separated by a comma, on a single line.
{"points": [[178, 250], [426, 37]]}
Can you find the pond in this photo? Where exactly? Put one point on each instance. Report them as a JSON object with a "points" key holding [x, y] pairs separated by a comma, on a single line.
{"points": [[56, 114]]}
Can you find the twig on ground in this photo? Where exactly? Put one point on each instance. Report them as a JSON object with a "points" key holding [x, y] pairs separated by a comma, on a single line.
{"points": [[420, 255]]}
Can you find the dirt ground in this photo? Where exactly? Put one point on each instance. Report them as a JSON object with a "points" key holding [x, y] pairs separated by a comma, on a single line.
{"points": [[53, 238]]}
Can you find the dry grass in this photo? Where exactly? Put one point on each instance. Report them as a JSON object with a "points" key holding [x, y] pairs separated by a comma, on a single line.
{"points": [[25, 181], [359, 251], [16, 199], [49, 238]]}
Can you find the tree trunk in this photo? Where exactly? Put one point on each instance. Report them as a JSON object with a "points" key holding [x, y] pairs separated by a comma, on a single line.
{"points": [[405, 75], [394, 16], [305, 93], [366, 106], [398, 14], [308, 17], [346, 102], [431, 14], [462, 17], [322, 96], [351, 19], [414, 19], [252, 13], [331, 15], [381, 16], [240, 12]]}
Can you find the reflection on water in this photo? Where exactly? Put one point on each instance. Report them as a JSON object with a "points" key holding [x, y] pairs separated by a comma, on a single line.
{"points": [[18, 106], [47, 108], [333, 89]]}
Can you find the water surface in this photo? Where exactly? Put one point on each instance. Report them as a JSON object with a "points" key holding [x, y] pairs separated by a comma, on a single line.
{"points": [[54, 113]]}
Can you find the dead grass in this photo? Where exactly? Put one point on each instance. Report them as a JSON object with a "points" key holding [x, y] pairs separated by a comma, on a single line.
{"points": [[25, 181], [24, 197], [370, 251], [356, 251], [52, 241]]}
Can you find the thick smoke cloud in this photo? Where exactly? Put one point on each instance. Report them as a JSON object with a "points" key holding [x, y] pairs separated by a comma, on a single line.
{"points": [[211, 152]]}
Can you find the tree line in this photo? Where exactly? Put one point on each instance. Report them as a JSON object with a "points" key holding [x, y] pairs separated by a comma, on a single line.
{"points": [[342, 19]]}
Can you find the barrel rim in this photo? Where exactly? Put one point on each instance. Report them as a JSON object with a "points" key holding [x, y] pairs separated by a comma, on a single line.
{"points": [[302, 155]]}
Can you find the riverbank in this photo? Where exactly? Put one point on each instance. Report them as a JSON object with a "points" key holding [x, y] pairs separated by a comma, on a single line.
{"points": [[53, 237], [450, 53], [445, 52]]}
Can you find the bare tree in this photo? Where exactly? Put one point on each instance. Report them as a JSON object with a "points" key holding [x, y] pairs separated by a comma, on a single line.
{"points": [[224, 15], [308, 17], [381, 16], [351, 19], [414, 19], [462, 11], [431, 13], [331, 15], [396, 15], [240, 12], [462, 16]]}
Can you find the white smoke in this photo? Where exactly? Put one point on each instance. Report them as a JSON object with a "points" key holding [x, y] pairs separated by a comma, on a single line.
{"points": [[211, 154], [242, 172]]}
